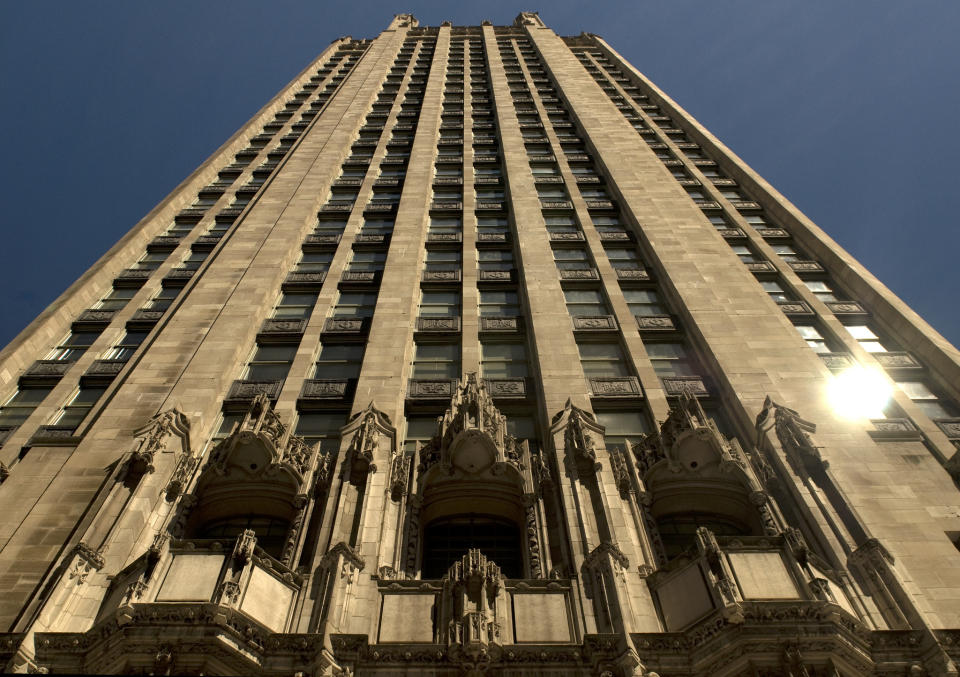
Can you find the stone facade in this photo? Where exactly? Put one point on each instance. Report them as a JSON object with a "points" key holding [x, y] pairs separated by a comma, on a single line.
{"points": [[505, 391]]}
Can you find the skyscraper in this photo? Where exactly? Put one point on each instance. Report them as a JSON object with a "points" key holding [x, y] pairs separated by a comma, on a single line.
{"points": [[473, 353]]}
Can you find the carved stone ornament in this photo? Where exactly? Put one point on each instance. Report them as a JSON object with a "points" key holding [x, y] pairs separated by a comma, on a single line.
{"points": [[581, 436], [399, 475], [261, 428], [472, 435], [155, 437], [793, 434], [472, 602], [84, 561], [367, 429]]}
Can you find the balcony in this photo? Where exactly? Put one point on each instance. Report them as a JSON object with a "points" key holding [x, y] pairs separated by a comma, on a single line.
{"points": [[615, 387], [500, 324], [244, 391], [440, 277], [281, 330], [144, 319], [345, 327], [507, 388], [317, 392], [795, 309], [497, 276], [594, 324], [684, 385], [304, 282], [431, 389], [102, 372], [93, 320], [438, 324], [321, 241], [163, 243], [655, 324], [44, 373]]}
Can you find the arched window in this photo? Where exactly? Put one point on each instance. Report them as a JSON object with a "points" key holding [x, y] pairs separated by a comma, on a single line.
{"points": [[678, 531], [271, 532], [447, 539]]}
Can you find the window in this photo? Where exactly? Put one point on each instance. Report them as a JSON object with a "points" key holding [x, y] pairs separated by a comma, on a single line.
{"points": [[163, 299], [643, 302], [866, 338], [442, 259], [607, 224], [551, 193], [571, 259], [490, 194], [18, 408], [581, 302], [926, 399], [813, 338], [151, 260], [594, 193], [445, 225], [447, 539], [419, 430], [363, 261], [623, 257], [491, 226], [561, 223], [539, 169], [821, 290], [314, 262], [786, 252], [448, 170], [270, 362], [294, 306], [744, 253], [377, 226], [193, 261], [524, 428], [387, 195], [447, 194], [488, 172], [73, 346], [670, 359], [330, 227], [503, 360], [774, 289], [339, 361], [602, 359], [436, 360], [127, 346], [756, 220], [495, 259], [499, 303], [623, 427], [355, 304], [343, 195], [271, 531], [322, 428], [116, 299], [439, 303], [78, 407]]}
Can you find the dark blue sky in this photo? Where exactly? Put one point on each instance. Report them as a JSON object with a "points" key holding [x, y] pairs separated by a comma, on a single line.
{"points": [[849, 108]]}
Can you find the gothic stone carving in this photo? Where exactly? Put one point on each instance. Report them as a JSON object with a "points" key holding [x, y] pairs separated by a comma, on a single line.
{"points": [[154, 436]]}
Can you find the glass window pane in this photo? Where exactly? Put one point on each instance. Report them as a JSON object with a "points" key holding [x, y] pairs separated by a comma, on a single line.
{"points": [[275, 353], [859, 331], [916, 390], [609, 351]]}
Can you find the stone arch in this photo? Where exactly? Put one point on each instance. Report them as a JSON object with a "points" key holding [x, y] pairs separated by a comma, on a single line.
{"points": [[694, 477], [476, 479], [258, 479]]}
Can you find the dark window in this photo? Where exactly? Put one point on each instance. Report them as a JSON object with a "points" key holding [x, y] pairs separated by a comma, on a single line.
{"points": [[446, 540]]}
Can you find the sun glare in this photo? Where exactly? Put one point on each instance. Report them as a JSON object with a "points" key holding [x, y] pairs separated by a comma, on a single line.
{"points": [[859, 393]]}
